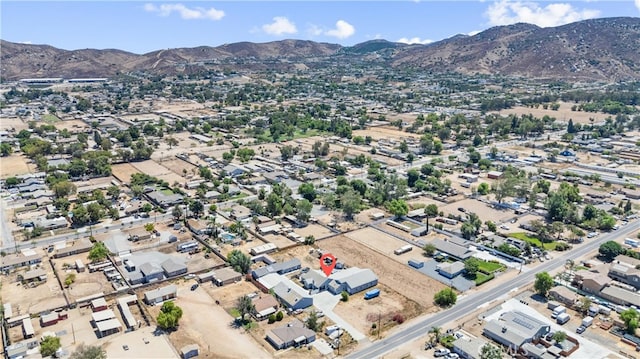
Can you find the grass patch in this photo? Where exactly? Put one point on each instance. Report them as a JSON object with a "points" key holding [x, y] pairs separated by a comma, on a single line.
{"points": [[409, 224], [234, 312], [166, 191], [49, 118], [490, 267], [533, 241], [482, 278], [239, 196]]}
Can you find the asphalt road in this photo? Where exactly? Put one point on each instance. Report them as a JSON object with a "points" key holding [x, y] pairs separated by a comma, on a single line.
{"points": [[470, 303]]}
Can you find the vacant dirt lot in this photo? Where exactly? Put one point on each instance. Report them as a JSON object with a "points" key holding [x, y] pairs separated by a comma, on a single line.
{"points": [[378, 133], [382, 243], [123, 172], [152, 168], [15, 164], [316, 230], [483, 211], [178, 166], [73, 126], [563, 114], [15, 123], [363, 313], [24, 299], [411, 284], [210, 326]]}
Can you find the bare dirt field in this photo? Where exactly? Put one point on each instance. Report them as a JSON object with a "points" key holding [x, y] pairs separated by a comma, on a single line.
{"points": [[210, 326], [16, 164], [316, 230], [86, 283], [563, 114], [378, 133], [411, 284], [24, 299], [178, 166], [15, 123], [382, 243], [279, 240], [73, 126], [152, 168], [123, 172], [363, 313], [483, 211]]}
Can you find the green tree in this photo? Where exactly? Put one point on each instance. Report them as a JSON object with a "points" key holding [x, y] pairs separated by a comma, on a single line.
{"points": [[350, 201], [63, 189], [197, 208], [489, 351], [169, 316], [89, 352], [446, 297], [630, 318], [429, 249], [543, 283], [398, 208], [98, 252], [559, 336], [468, 230], [279, 316], [176, 212], [113, 192], [5, 149], [491, 226], [49, 345], [307, 191], [245, 306], [303, 210], [431, 210], [344, 296], [312, 322], [483, 188], [610, 249], [239, 261], [472, 265]]}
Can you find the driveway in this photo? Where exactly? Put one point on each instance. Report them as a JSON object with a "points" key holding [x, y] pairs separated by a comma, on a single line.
{"points": [[459, 282], [325, 302]]}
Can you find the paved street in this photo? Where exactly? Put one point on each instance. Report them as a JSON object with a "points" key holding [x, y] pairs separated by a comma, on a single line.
{"points": [[469, 304]]}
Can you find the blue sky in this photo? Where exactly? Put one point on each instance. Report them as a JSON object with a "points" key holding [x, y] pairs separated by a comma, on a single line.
{"points": [[144, 26]]}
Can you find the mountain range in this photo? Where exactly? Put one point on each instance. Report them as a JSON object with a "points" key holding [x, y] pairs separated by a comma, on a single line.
{"points": [[604, 49]]}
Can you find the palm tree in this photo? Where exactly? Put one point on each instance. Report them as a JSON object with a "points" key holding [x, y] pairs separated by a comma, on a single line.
{"points": [[436, 334]]}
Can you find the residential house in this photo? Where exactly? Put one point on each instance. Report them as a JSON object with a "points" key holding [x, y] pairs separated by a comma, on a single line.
{"points": [[240, 213], [264, 306], [161, 294], [234, 170], [468, 347], [454, 249], [172, 268], [293, 334], [450, 269], [13, 261], [81, 246], [563, 295], [226, 275], [314, 280], [292, 296], [591, 282], [514, 329], [621, 296], [164, 200], [280, 268], [624, 269], [352, 280], [34, 275]]}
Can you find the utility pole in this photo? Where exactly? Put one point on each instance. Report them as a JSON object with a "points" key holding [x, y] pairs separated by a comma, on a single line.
{"points": [[379, 321]]}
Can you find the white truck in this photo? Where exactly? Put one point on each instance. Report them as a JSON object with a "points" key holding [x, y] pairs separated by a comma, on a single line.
{"points": [[557, 311], [587, 322], [562, 318]]}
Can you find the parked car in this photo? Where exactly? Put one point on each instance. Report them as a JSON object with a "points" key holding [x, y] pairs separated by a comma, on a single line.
{"points": [[580, 329], [441, 352], [452, 356], [462, 209], [194, 287]]}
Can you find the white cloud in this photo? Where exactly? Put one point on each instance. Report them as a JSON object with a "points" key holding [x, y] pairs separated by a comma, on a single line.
{"points": [[28, 42], [342, 30], [315, 30], [505, 12], [185, 12], [415, 40], [638, 4], [474, 32], [280, 25]]}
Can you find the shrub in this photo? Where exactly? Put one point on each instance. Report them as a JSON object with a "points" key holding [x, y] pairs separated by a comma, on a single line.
{"points": [[279, 316], [272, 318], [398, 318], [345, 296]]}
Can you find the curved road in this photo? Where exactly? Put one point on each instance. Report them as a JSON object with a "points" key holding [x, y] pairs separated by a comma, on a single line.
{"points": [[470, 303]]}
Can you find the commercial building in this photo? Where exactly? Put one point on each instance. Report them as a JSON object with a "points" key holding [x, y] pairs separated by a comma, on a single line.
{"points": [[515, 328]]}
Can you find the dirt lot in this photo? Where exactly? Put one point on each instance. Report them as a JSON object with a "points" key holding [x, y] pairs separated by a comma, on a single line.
{"points": [[15, 123], [317, 231], [123, 172], [152, 168], [411, 284], [563, 114], [378, 133], [86, 283], [279, 240], [16, 164], [382, 243], [178, 166], [73, 126], [363, 313], [483, 211], [24, 299], [210, 326]]}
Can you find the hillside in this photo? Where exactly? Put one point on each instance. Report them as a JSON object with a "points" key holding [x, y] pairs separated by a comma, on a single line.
{"points": [[598, 49]]}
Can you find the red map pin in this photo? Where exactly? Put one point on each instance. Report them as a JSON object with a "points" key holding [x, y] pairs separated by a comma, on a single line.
{"points": [[327, 268]]}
